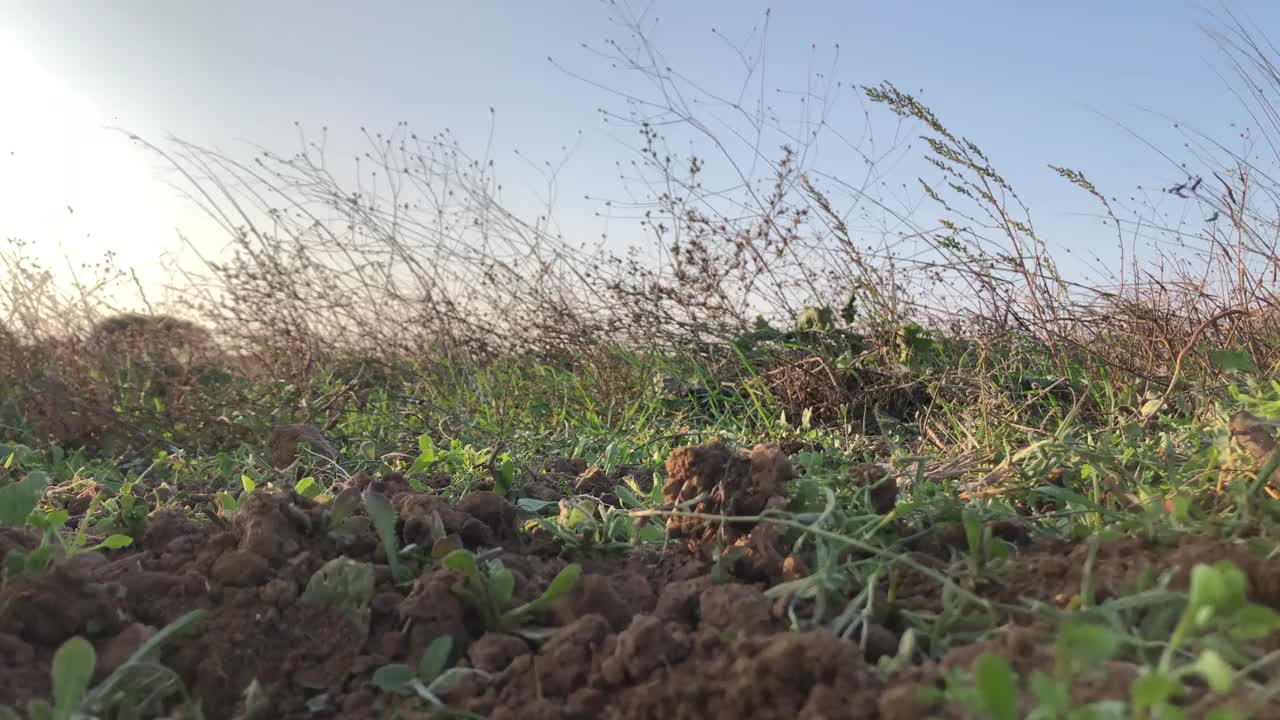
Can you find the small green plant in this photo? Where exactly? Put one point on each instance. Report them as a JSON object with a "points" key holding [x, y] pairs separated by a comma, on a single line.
{"points": [[488, 587], [1216, 611], [584, 522], [463, 463], [139, 688], [429, 680], [346, 585], [19, 506]]}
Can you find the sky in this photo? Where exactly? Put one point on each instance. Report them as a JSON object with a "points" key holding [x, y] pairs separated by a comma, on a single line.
{"points": [[1032, 82]]}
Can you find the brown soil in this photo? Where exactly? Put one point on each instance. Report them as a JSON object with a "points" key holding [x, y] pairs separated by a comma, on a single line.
{"points": [[667, 634]]}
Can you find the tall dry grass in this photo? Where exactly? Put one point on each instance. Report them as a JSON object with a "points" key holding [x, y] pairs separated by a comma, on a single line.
{"points": [[418, 258]]}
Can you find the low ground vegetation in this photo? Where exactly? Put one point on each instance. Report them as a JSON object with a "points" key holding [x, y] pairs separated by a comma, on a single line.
{"points": [[458, 467]]}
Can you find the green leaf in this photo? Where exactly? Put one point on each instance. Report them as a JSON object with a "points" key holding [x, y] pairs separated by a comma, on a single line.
{"points": [[72, 672], [18, 500], [57, 518], [1252, 622], [506, 476], [997, 686], [227, 505], [1221, 587], [1233, 361], [343, 506], [427, 455], [463, 561], [1048, 693], [390, 678], [115, 542], [1151, 689], [502, 586], [562, 585], [1086, 644], [384, 521], [435, 658], [247, 483], [307, 487], [532, 505], [1216, 671], [972, 531]]}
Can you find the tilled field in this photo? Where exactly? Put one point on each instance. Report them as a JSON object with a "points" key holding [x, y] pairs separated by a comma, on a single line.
{"points": [[685, 629]]}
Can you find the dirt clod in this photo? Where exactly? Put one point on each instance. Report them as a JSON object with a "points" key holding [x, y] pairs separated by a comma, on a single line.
{"points": [[723, 481], [285, 442]]}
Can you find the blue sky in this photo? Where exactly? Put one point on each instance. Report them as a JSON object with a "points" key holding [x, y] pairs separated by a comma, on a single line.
{"points": [[1032, 82]]}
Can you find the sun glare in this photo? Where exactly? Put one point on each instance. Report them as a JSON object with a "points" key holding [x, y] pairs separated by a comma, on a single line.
{"points": [[72, 187]]}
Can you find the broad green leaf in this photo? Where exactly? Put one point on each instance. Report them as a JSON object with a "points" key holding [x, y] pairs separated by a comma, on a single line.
{"points": [[425, 446], [390, 678], [227, 504], [627, 497], [1151, 689], [72, 671], [562, 585], [997, 685], [533, 505], [115, 542], [1048, 693], [343, 506], [307, 487], [1086, 644], [506, 476], [57, 518], [18, 500], [435, 658], [426, 457], [463, 561], [1233, 361], [1252, 622], [502, 586]]}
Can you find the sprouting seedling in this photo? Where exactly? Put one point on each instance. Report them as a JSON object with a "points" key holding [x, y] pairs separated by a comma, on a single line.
{"points": [[1217, 602], [384, 522], [490, 588], [993, 691], [430, 679]]}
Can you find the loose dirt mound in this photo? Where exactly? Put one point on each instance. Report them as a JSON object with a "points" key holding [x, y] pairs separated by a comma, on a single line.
{"points": [[667, 634]]}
